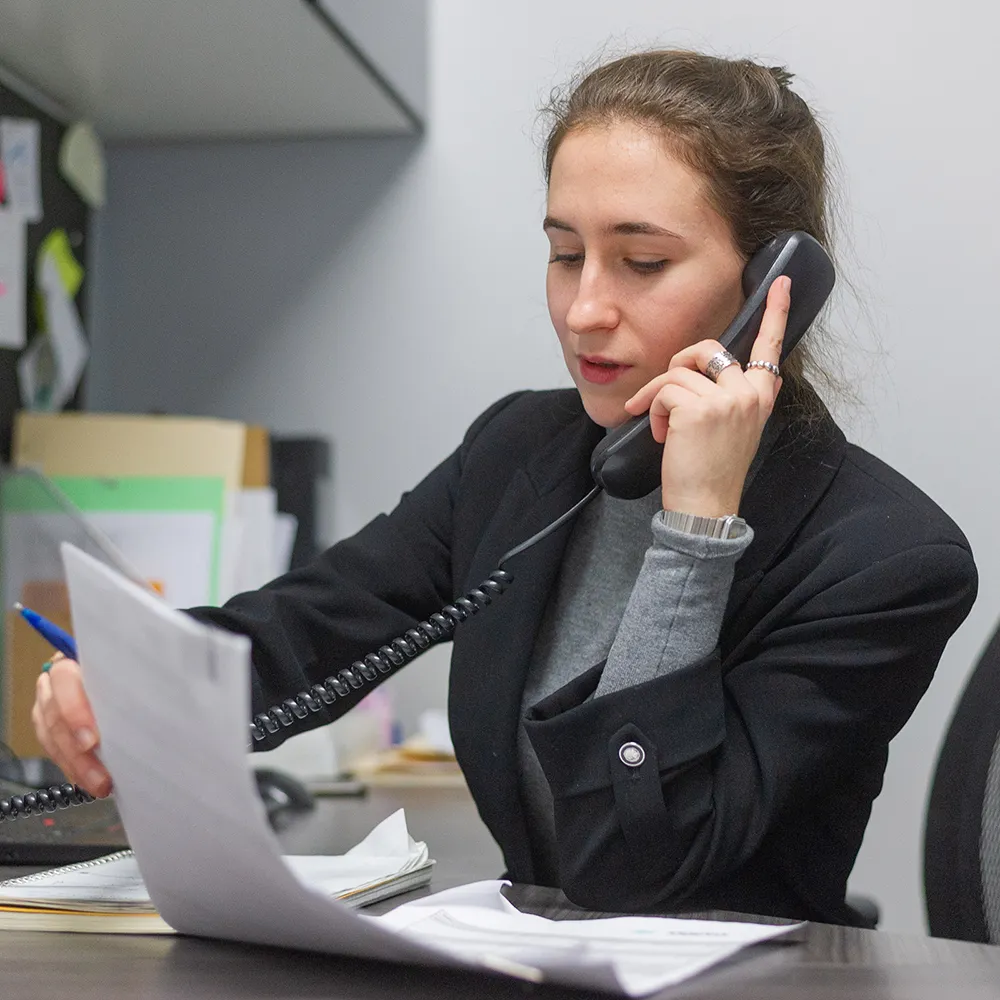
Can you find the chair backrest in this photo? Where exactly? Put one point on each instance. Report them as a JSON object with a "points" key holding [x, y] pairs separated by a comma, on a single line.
{"points": [[962, 835]]}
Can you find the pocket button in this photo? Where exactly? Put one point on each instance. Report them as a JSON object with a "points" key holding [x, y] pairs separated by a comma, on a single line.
{"points": [[631, 754]]}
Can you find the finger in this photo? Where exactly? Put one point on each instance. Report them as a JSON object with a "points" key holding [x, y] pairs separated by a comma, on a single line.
{"points": [[767, 346], [666, 400], [72, 703], [43, 694], [82, 768], [695, 382], [702, 385], [72, 729], [44, 717], [697, 357], [639, 403]]}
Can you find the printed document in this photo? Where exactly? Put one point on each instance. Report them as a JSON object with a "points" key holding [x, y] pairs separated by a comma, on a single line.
{"points": [[171, 697]]}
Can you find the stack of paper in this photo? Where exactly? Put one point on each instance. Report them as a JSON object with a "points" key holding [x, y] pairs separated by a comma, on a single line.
{"points": [[81, 897], [172, 697]]}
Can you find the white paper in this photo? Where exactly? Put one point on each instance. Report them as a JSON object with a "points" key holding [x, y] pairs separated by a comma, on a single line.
{"points": [[171, 698], [115, 884], [12, 281], [19, 150], [65, 332], [232, 537], [173, 549], [258, 510], [642, 954], [285, 528]]}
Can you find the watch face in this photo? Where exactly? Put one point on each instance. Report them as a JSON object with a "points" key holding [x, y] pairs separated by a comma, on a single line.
{"points": [[736, 528]]}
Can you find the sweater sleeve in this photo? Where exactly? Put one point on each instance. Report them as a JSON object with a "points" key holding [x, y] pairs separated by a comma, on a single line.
{"points": [[664, 788], [675, 610]]}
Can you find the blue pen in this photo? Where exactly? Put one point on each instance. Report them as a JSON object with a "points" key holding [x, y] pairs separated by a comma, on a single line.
{"points": [[52, 634]]}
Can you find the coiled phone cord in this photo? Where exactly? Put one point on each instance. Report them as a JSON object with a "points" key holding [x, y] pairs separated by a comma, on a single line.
{"points": [[43, 800], [438, 627], [393, 655]]}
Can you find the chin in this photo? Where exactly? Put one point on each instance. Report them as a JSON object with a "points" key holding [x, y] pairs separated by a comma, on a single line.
{"points": [[604, 412]]}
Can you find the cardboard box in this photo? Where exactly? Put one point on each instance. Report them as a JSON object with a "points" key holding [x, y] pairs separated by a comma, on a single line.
{"points": [[122, 444]]}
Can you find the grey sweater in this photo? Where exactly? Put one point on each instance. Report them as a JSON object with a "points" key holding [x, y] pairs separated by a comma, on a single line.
{"points": [[648, 604]]}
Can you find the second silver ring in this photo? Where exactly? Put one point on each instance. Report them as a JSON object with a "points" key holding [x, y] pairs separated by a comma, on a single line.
{"points": [[766, 365]]}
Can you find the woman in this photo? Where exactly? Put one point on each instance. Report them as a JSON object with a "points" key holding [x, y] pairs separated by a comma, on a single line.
{"points": [[643, 720]]}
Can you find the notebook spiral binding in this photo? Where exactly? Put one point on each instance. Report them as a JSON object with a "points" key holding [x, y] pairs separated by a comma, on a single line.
{"points": [[64, 869]]}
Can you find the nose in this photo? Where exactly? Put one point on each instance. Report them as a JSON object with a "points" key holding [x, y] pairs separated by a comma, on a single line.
{"points": [[593, 309]]}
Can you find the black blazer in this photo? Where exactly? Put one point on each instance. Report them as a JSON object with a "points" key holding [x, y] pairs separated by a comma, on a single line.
{"points": [[761, 761]]}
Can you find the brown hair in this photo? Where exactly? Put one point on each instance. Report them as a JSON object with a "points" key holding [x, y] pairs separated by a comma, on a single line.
{"points": [[755, 141]]}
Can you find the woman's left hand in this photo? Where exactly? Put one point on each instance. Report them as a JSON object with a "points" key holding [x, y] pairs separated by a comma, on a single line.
{"points": [[711, 430]]}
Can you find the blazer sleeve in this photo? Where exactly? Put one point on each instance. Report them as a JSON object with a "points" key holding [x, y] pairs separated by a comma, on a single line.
{"points": [[353, 598], [721, 758]]}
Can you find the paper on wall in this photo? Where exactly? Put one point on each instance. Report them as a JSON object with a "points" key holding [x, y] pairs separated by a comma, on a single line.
{"points": [[34, 374], [60, 347], [12, 280], [50, 369], [57, 246], [19, 150], [64, 330], [81, 162]]}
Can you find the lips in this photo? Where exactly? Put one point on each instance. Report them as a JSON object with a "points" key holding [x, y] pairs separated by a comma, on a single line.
{"points": [[600, 370]]}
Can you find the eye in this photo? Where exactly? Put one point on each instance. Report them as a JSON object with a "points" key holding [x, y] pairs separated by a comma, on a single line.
{"points": [[568, 259], [646, 266]]}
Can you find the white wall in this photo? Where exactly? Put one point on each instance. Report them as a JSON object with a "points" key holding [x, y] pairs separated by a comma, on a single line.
{"points": [[384, 292]]}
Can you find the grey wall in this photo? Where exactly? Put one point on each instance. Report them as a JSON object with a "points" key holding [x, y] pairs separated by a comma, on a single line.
{"points": [[385, 292]]}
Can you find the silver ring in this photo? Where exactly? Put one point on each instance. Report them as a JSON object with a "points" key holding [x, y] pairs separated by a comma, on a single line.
{"points": [[718, 363], [767, 365]]}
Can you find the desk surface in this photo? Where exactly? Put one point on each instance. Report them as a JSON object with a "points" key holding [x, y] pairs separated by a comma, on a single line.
{"points": [[826, 963]]}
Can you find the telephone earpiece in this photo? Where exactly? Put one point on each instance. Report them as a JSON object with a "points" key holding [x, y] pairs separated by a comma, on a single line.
{"points": [[626, 463]]}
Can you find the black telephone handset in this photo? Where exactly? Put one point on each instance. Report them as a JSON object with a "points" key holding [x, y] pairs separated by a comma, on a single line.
{"points": [[626, 463]]}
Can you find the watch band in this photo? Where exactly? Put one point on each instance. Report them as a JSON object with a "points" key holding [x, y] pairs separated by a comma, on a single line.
{"points": [[730, 526]]}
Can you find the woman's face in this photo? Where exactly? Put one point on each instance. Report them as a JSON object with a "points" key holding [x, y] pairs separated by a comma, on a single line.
{"points": [[641, 264]]}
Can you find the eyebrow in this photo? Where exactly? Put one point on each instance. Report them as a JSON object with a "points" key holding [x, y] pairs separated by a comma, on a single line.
{"points": [[618, 229]]}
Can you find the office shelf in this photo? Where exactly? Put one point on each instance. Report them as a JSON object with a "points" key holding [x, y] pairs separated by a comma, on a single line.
{"points": [[143, 70]]}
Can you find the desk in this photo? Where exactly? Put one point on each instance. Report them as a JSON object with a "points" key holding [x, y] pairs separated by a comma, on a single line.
{"points": [[829, 963]]}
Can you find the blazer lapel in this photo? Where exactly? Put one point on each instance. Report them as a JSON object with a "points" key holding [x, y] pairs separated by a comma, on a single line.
{"points": [[491, 651], [794, 475]]}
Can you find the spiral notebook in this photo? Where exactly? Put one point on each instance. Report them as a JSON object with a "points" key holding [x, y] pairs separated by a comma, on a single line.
{"points": [[108, 895]]}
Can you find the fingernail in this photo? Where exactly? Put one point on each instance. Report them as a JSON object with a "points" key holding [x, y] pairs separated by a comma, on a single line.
{"points": [[786, 282], [95, 778], [86, 739]]}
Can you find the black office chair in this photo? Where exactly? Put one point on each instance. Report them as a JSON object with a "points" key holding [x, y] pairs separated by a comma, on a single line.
{"points": [[962, 835]]}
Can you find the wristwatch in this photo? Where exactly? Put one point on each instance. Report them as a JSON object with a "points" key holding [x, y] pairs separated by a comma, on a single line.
{"points": [[730, 526]]}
